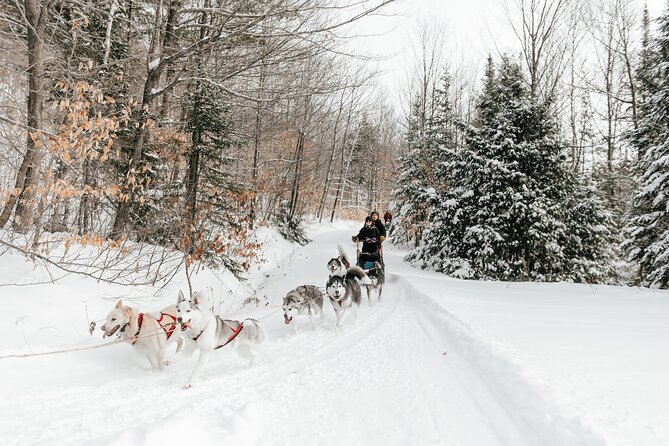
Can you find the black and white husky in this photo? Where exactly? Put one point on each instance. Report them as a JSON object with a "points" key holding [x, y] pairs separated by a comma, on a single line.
{"points": [[338, 266], [344, 292], [377, 276], [211, 332], [305, 299]]}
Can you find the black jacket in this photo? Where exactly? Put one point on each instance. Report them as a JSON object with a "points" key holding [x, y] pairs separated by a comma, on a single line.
{"points": [[369, 236], [380, 226]]}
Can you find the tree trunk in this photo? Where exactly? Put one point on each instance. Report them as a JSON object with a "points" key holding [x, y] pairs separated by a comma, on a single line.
{"points": [[295, 190], [108, 32], [169, 47], [328, 173], [257, 133], [192, 178], [152, 81], [27, 177]]}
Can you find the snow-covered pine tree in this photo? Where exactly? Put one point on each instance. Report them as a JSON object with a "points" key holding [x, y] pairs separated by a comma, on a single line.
{"points": [[647, 229], [216, 204], [430, 144], [514, 210]]}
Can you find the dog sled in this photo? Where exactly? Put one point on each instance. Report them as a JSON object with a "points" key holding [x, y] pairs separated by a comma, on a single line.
{"points": [[368, 261], [375, 269]]}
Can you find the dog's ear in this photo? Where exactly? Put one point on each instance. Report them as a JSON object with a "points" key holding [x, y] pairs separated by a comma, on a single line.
{"points": [[127, 312], [119, 304], [196, 298], [181, 297]]}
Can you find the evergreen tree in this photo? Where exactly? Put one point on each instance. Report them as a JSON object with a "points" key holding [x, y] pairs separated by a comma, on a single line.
{"points": [[647, 229], [364, 160], [514, 210], [430, 143], [215, 201]]}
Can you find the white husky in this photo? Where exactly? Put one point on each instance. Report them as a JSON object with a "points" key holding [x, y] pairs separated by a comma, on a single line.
{"points": [[211, 332], [149, 333]]}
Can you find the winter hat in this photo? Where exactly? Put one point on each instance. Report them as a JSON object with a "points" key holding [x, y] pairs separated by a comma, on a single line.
{"points": [[368, 218], [375, 212]]}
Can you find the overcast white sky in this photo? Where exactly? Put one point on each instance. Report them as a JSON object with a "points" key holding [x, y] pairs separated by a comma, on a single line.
{"points": [[472, 29]]}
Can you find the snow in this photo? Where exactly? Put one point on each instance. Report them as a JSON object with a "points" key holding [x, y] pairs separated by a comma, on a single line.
{"points": [[437, 361]]}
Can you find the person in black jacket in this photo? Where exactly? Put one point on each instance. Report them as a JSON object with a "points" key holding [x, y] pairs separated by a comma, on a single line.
{"points": [[371, 240], [379, 225], [376, 221]]}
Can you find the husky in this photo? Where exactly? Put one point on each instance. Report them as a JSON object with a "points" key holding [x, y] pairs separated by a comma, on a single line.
{"points": [[377, 276], [149, 333], [305, 299], [344, 292], [211, 332], [338, 266]]}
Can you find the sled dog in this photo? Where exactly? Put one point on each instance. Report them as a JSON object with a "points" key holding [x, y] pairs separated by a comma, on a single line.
{"points": [[305, 299], [344, 292], [149, 333], [211, 332], [377, 276], [338, 266]]}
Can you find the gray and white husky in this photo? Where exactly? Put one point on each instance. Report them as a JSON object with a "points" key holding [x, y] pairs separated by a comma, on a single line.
{"points": [[149, 333], [344, 292], [210, 332], [377, 276], [305, 299], [338, 266]]}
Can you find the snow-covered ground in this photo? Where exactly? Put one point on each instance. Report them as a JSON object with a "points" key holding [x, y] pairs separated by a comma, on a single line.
{"points": [[438, 361]]}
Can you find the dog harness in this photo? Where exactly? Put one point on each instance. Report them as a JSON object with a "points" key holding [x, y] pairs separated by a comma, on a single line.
{"points": [[173, 324], [234, 335], [235, 332], [140, 319]]}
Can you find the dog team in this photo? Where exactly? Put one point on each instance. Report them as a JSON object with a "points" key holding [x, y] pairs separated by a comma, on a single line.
{"points": [[192, 325]]}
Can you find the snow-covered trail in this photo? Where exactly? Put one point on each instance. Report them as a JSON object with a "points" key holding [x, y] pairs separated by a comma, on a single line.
{"points": [[408, 371]]}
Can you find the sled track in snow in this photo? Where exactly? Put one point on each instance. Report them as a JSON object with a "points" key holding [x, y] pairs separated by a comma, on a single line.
{"points": [[537, 420]]}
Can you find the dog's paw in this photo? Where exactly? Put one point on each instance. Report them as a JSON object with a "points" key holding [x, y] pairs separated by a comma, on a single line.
{"points": [[167, 362], [187, 386]]}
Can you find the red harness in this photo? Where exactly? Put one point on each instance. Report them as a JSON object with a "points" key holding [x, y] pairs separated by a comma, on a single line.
{"points": [[230, 339], [168, 333], [172, 324], [234, 335], [140, 318]]}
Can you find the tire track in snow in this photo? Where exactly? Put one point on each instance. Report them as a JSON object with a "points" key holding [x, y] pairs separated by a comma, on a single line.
{"points": [[490, 377]]}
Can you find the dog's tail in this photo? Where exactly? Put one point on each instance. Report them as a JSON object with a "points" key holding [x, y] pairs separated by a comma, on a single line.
{"points": [[358, 273], [254, 331], [342, 255]]}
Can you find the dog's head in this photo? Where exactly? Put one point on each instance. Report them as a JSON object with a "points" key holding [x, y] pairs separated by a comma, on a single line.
{"points": [[189, 311], [336, 267], [336, 288], [291, 307], [117, 319]]}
